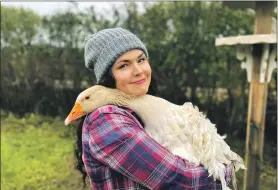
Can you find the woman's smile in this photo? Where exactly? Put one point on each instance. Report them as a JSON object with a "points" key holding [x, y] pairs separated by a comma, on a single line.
{"points": [[140, 81]]}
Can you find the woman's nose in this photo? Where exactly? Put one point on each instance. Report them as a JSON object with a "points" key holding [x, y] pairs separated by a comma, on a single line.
{"points": [[137, 69]]}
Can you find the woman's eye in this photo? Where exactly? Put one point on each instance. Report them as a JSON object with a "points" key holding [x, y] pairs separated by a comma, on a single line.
{"points": [[123, 66], [141, 60]]}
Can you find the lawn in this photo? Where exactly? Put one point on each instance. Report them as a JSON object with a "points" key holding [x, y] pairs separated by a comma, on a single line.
{"points": [[37, 153]]}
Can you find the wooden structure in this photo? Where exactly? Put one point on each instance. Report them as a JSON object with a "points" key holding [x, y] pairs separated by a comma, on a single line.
{"points": [[258, 54]]}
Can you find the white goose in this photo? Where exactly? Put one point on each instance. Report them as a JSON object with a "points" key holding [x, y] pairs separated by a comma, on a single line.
{"points": [[183, 130]]}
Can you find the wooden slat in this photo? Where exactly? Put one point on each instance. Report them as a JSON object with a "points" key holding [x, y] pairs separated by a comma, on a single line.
{"points": [[247, 39]]}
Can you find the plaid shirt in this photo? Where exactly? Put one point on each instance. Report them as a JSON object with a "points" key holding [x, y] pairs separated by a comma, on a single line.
{"points": [[119, 154]]}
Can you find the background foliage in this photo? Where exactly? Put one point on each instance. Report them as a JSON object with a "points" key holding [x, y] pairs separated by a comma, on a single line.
{"points": [[42, 72]]}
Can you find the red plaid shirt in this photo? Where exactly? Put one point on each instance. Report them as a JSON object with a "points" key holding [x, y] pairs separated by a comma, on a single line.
{"points": [[119, 154]]}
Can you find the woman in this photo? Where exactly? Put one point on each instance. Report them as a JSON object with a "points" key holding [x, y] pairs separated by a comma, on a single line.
{"points": [[112, 145]]}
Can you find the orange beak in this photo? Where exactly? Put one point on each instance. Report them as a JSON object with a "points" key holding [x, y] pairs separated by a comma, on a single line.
{"points": [[75, 113]]}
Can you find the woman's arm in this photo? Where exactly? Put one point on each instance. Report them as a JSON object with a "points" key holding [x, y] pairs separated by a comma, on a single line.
{"points": [[121, 143]]}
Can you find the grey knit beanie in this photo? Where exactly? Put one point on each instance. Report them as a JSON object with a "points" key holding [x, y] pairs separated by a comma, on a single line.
{"points": [[104, 47]]}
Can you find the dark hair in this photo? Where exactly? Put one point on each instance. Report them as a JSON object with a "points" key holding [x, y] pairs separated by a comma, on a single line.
{"points": [[110, 82]]}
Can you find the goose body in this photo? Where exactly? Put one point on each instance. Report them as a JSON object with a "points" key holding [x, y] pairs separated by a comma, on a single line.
{"points": [[182, 129]]}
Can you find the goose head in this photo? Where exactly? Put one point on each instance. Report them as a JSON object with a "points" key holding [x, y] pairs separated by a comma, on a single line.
{"points": [[89, 100], [93, 98]]}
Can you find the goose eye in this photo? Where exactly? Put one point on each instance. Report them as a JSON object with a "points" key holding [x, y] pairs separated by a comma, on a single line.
{"points": [[87, 97]]}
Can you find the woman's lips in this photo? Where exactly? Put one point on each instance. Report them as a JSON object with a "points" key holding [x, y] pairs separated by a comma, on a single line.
{"points": [[140, 81]]}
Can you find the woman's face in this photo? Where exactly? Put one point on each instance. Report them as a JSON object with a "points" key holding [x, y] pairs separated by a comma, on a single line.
{"points": [[132, 73]]}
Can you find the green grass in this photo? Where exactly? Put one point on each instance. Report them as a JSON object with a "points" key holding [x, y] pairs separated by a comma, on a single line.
{"points": [[37, 154]]}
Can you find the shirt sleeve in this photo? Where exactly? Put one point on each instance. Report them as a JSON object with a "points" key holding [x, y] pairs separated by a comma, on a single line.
{"points": [[118, 141]]}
